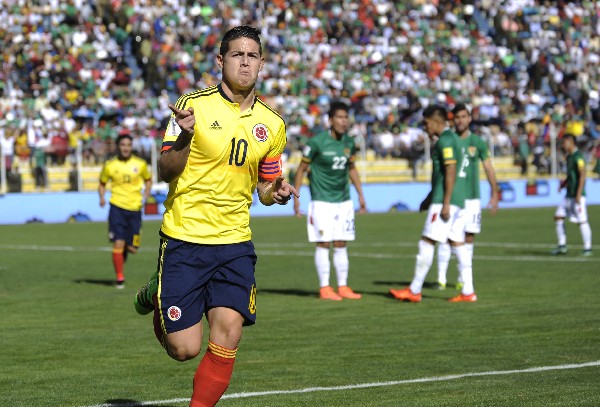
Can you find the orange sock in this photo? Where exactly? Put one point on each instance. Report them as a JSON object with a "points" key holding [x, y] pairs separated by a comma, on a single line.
{"points": [[118, 263], [213, 375]]}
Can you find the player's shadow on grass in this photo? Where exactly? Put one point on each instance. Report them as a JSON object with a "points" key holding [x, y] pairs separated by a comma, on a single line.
{"points": [[94, 281], [129, 403], [288, 291], [402, 284], [393, 284]]}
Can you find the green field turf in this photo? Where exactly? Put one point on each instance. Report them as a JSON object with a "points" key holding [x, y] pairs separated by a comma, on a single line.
{"points": [[69, 338]]}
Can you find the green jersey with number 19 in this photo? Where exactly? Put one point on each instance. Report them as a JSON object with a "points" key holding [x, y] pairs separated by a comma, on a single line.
{"points": [[448, 150], [329, 161], [477, 151]]}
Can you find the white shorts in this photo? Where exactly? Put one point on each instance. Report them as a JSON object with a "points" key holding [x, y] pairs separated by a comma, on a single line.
{"points": [[576, 212], [440, 231], [473, 215], [328, 222]]}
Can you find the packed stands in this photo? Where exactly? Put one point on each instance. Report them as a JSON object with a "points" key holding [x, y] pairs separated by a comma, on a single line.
{"points": [[80, 72]]}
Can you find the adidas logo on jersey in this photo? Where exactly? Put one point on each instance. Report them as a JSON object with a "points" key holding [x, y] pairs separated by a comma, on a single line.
{"points": [[215, 126]]}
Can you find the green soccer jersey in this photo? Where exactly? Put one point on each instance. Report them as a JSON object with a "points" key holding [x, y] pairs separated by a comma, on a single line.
{"points": [[476, 151], [575, 162], [448, 150], [329, 161]]}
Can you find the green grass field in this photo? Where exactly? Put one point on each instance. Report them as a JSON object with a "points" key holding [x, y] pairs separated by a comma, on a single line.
{"points": [[69, 338]]}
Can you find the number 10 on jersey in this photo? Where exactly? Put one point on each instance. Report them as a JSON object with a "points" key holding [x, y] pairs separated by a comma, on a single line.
{"points": [[238, 152]]}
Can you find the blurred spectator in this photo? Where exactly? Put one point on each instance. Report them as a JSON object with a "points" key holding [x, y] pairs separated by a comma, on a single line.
{"points": [[7, 145], [417, 153], [38, 161], [98, 149], [22, 149], [59, 144], [523, 150], [384, 143], [540, 160], [147, 145], [596, 154]]}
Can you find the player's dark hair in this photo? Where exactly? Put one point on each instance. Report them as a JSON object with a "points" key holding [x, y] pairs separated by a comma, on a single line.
{"points": [[435, 111], [570, 137], [459, 108], [238, 32], [337, 105], [124, 136]]}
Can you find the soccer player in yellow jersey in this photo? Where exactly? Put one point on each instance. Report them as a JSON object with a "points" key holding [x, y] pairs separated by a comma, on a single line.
{"points": [[128, 175], [221, 144]]}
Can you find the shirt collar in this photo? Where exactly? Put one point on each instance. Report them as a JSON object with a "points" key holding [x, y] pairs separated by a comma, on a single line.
{"points": [[222, 93], [224, 96]]}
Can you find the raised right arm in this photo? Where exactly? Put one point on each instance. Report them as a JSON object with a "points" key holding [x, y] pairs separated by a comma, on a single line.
{"points": [[172, 162]]}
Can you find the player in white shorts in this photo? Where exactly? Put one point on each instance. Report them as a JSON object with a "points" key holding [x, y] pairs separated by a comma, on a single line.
{"points": [[330, 158], [438, 230], [472, 216], [330, 221], [475, 150], [573, 205], [576, 212], [445, 217]]}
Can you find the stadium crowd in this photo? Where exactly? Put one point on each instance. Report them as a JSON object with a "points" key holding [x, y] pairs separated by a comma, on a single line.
{"points": [[90, 70]]}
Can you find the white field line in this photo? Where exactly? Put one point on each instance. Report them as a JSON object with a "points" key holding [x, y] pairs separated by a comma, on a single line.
{"points": [[504, 245], [412, 256], [364, 385], [351, 253]]}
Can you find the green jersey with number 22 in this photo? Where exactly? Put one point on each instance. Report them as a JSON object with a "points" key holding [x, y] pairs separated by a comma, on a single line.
{"points": [[329, 161]]}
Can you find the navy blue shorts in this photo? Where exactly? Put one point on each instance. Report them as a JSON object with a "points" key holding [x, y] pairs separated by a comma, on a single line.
{"points": [[193, 278], [124, 225]]}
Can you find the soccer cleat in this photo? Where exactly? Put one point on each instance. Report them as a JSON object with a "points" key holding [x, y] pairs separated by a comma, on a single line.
{"points": [[439, 286], [346, 292], [587, 253], [405, 295], [144, 302], [464, 298], [120, 284], [559, 250], [327, 293]]}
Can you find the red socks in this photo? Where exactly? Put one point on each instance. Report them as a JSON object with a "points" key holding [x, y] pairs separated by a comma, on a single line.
{"points": [[213, 375], [118, 260]]}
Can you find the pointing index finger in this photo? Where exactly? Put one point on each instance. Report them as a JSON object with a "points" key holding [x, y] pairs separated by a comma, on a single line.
{"points": [[293, 191], [174, 108]]}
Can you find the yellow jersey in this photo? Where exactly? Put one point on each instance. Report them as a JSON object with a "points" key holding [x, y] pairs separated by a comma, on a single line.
{"points": [[127, 180], [209, 203]]}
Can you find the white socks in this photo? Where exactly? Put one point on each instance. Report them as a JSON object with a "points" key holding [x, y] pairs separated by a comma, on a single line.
{"points": [[586, 235], [444, 253], [424, 260], [340, 262], [464, 255], [560, 232], [322, 263], [443, 256], [470, 248]]}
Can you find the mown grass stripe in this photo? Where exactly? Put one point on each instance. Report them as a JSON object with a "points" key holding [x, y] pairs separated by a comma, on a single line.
{"points": [[595, 363]]}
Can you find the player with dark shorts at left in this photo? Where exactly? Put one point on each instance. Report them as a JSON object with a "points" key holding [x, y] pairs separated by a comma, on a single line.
{"points": [[129, 175], [221, 144]]}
